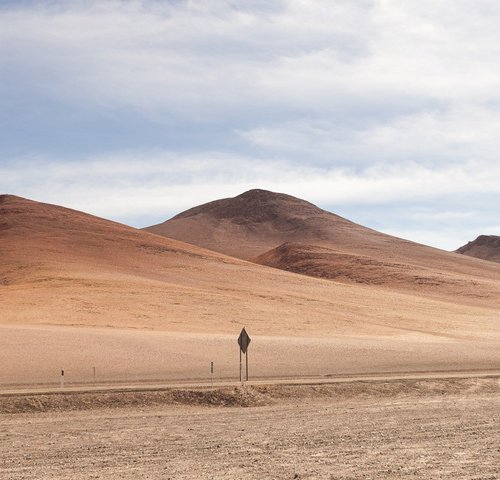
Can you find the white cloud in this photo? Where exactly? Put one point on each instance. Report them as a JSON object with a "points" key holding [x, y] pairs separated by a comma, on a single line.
{"points": [[360, 103], [444, 215], [449, 239], [208, 57], [338, 81], [161, 183], [455, 135]]}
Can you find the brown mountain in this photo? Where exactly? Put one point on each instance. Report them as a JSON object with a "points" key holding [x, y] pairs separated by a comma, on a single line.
{"points": [[486, 247], [285, 232], [258, 220], [67, 267], [77, 290], [63, 266]]}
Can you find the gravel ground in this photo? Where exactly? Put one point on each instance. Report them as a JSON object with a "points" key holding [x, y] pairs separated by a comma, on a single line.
{"points": [[438, 435]]}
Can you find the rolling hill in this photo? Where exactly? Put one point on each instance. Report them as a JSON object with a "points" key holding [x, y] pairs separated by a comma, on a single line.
{"points": [[256, 221], [486, 247], [77, 290], [285, 232]]}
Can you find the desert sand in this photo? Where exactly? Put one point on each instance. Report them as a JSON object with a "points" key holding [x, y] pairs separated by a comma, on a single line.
{"points": [[78, 291], [127, 355]]}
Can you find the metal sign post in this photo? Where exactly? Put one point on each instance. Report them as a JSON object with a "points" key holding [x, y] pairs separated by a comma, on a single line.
{"points": [[243, 342]]}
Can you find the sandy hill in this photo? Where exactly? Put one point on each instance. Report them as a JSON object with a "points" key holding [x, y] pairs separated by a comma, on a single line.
{"points": [[285, 232], [486, 247], [64, 266], [67, 277], [258, 220]]}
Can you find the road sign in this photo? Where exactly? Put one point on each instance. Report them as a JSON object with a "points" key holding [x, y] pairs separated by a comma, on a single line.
{"points": [[243, 341]]}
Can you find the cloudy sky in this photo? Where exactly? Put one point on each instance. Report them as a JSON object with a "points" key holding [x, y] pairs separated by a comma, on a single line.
{"points": [[383, 111]]}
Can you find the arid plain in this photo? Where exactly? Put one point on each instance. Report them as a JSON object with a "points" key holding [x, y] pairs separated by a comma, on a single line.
{"points": [[322, 298]]}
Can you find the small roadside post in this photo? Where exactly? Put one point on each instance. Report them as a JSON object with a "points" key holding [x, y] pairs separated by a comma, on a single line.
{"points": [[211, 374], [62, 378], [244, 342]]}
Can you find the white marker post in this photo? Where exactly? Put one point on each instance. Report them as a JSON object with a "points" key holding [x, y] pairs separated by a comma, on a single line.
{"points": [[62, 378], [94, 376]]}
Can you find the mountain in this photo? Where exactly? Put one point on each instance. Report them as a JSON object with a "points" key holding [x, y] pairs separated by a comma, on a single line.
{"points": [[486, 247], [258, 220], [285, 232], [66, 267], [77, 290]]}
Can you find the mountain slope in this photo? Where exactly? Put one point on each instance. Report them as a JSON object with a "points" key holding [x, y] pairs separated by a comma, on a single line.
{"points": [[486, 247], [67, 277], [255, 221], [66, 267], [63, 266], [291, 234]]}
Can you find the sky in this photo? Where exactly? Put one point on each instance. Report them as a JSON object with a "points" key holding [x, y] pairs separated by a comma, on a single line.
{"points": [[385, 112]]}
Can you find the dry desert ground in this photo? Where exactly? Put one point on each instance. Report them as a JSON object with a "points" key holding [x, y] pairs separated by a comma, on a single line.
{"points": [[440, 428], [371, 356]]}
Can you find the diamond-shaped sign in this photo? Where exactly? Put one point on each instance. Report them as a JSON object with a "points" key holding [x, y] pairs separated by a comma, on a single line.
{"points": [[243, 340]]}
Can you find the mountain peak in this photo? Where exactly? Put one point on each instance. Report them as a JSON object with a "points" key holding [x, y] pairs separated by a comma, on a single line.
{"points": [[254, 206], [257, 192], [6, 197], [260, 194], [493, 240], [253, 222]]}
